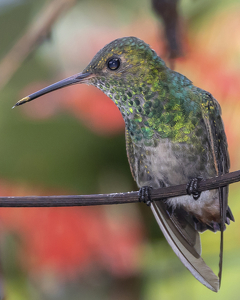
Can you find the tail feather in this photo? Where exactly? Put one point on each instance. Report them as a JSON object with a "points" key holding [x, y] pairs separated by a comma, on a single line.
{"points": [[224, 213], [188, 256], [230, 214]]}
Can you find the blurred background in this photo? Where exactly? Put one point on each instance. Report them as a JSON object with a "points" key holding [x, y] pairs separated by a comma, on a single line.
{"points": [[72, 142]]}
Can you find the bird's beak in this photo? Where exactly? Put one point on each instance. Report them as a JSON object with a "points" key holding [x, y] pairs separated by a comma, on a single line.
{"points": [[78, 78]]}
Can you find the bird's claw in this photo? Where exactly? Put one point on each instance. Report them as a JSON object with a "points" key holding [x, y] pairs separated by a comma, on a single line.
{"points": [[145, 195], [192, 188]]}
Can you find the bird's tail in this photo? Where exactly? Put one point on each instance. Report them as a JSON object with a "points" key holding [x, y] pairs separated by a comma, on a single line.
{"points": [[181, 235]]}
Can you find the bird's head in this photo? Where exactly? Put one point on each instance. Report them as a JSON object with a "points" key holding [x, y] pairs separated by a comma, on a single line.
{"points": [[122, 70]]}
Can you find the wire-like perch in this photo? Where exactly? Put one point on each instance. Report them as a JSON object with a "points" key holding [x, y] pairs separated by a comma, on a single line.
{"points": [[115, 198]]}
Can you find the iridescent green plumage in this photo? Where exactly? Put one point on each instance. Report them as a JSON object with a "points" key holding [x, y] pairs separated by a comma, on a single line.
{"points": [[174, 133], [155, 101]]}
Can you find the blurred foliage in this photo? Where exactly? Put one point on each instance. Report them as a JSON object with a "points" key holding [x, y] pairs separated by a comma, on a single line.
{"points": [[72, 141]]}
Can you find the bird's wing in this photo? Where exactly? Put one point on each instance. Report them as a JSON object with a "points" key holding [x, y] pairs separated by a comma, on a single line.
{"points": [[130, 153], [211, 113], [185, 242]]}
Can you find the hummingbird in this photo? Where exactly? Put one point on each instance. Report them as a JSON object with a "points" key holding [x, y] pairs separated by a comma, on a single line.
{"points": [[174, 135]]}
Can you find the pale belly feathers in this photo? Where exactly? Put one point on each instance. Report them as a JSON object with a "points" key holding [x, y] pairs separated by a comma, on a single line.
{"points": [[170, 164]]}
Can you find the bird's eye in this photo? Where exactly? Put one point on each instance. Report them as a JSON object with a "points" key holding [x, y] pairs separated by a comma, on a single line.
{"points": [[113, 64]]}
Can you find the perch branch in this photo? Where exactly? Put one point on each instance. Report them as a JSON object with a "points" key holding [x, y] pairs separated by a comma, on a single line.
{"points": [[115, 198]]}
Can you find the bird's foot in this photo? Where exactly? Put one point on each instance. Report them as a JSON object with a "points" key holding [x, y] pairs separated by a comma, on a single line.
{"points": [[145, 195], [192, 188]]}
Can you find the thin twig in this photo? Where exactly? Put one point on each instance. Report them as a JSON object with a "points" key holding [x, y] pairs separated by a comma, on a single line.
{"points": [[116, 198], [35, 34]]}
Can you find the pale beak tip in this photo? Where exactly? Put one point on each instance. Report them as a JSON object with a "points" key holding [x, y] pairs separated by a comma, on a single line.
{"points": [[22, 101]]}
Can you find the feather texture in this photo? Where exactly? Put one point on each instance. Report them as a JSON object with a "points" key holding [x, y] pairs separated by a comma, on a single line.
{"points": [[194, 263]]}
